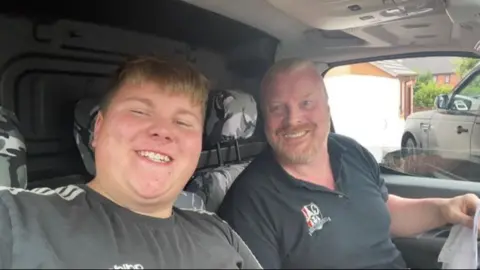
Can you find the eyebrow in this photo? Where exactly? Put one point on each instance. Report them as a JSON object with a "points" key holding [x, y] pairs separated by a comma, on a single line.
{"points": [[187, 112], [309, 94], [149, 103], [141, 100]]}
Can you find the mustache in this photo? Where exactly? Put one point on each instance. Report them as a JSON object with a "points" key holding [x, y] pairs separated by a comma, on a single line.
{"points": [[295, 129]]}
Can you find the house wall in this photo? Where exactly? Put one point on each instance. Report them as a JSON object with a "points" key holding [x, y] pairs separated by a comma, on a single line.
{"points": [[369, 69], [365, 108], [406, 96], [442, 79], [358, 69], [338, 71]]}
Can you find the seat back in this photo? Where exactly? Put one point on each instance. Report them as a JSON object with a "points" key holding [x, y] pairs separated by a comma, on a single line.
{"points": [[231, 116], [84, 120], [13, 152], [85, 115]]}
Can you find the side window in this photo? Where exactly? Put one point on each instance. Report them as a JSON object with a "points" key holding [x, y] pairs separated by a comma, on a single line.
{"points": [[399, 110], [468, 97]]}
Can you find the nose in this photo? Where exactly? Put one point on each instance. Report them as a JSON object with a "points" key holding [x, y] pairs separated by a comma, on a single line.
{"points": [[161, 131], [294, 116]]}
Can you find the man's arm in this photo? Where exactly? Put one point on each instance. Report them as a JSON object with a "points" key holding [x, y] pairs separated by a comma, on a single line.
{"points": [[414, 216], [6, 238]]}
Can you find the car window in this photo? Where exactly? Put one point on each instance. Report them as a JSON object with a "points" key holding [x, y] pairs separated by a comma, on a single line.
{"points": [[467, 98], [412, 114]]}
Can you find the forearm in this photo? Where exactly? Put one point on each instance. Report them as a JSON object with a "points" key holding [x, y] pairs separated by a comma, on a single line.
{"points": [[414, 216]]}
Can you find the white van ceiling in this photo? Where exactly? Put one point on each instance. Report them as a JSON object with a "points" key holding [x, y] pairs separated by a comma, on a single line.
{"points": [[346, 14], [338, 30]]}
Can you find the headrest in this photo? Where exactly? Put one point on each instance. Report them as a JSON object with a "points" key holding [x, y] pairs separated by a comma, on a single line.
{"points": [[211, 185], [85, 114], [231, 115], [13, 152]]}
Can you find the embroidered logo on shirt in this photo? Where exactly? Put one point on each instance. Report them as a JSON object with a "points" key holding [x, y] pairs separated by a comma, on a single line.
{"points": [[128, 266], [314, 217]]}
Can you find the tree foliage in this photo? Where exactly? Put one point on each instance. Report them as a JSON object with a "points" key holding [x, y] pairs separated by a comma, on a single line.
{"points": [[464, 65]]}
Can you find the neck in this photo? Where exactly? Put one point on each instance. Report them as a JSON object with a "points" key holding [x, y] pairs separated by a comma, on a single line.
{"points": [[124, 200], [318, 171]]}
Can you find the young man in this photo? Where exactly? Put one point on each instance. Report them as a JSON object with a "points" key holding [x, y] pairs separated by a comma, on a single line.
{"points": [[316, 199], [147, 141]]}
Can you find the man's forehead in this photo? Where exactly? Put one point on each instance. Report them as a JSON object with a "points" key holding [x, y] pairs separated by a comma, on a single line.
{"points": [[295, 84]]}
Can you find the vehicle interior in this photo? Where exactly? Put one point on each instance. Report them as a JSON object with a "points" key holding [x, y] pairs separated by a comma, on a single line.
{"points": [[55, 54]]}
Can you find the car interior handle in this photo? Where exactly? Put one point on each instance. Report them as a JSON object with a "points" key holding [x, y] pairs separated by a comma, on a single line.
{"points": [[460, 129]]}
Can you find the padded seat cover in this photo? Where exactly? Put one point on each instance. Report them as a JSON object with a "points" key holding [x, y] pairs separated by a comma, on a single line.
{"points": [[212, 184], [232, 115], [13, 152], [85, 114]]}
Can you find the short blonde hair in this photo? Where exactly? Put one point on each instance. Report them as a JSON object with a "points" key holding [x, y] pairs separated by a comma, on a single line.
{"points": [[287, 65], [174, 75]]}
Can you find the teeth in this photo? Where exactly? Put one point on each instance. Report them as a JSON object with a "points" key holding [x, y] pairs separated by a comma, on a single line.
{"points": [[295, 135], [156, 157]]}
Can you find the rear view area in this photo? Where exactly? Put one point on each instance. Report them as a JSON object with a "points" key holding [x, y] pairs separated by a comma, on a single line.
{"points": [[56, 60]]}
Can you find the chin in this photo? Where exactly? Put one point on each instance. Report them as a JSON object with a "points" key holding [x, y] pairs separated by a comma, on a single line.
{"points": [[151, 189]]}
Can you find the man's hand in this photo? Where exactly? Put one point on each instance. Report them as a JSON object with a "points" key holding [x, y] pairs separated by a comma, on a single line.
{"points": [[460, 209]]}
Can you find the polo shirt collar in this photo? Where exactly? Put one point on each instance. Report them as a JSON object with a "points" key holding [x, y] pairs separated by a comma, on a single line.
{"points": [[335, 152]]}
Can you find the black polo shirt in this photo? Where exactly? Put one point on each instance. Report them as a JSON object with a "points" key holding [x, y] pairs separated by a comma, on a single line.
{"points": [[290, 223]]}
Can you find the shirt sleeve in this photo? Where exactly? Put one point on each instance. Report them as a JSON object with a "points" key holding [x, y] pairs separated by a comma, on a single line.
{"points": [[375, 168], [245, 218], [6, 237]]}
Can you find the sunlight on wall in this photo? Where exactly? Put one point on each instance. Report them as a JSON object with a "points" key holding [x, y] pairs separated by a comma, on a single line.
{"points": [[366, 108]]}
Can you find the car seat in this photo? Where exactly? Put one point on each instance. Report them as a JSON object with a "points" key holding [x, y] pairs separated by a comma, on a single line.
{"points": [[231, 116], [13, 152], [86, 111]]}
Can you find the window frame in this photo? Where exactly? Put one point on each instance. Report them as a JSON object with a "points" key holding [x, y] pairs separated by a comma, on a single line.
{"points": [[386, 170]]}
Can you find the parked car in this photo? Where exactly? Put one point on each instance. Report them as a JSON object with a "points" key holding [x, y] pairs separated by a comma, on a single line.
{"points": [[450, 132]]}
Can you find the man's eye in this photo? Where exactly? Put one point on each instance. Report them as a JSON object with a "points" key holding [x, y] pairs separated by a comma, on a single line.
{"points": [[138, 112], [275, 108], [183, 123], [307, 103]]}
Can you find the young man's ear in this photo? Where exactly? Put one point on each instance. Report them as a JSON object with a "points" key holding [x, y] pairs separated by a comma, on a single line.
{"points": [[97, 128]]}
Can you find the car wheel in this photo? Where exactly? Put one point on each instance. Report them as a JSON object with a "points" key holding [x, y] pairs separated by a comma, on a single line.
{"points": [[410, 152], [410, 143]]}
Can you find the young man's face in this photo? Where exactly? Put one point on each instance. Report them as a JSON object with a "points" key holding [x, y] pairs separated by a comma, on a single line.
{"points": [[297, 117], [147, 143]]}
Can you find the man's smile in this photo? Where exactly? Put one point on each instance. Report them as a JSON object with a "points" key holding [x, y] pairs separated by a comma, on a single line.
{"points": [[155, 157]]}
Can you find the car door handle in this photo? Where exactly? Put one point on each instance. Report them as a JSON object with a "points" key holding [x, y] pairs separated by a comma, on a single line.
{"points": [[460, 130], [424, 126]]}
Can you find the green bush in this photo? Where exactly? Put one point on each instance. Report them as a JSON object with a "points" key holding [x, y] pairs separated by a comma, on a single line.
{"points": [[426, 93], [422, 78]]}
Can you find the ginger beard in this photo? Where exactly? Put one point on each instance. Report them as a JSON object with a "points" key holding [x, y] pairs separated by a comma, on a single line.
{"points": [[297, 144]]}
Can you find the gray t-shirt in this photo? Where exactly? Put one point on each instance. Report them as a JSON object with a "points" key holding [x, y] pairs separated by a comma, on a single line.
{"points": [[76, 227]]}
